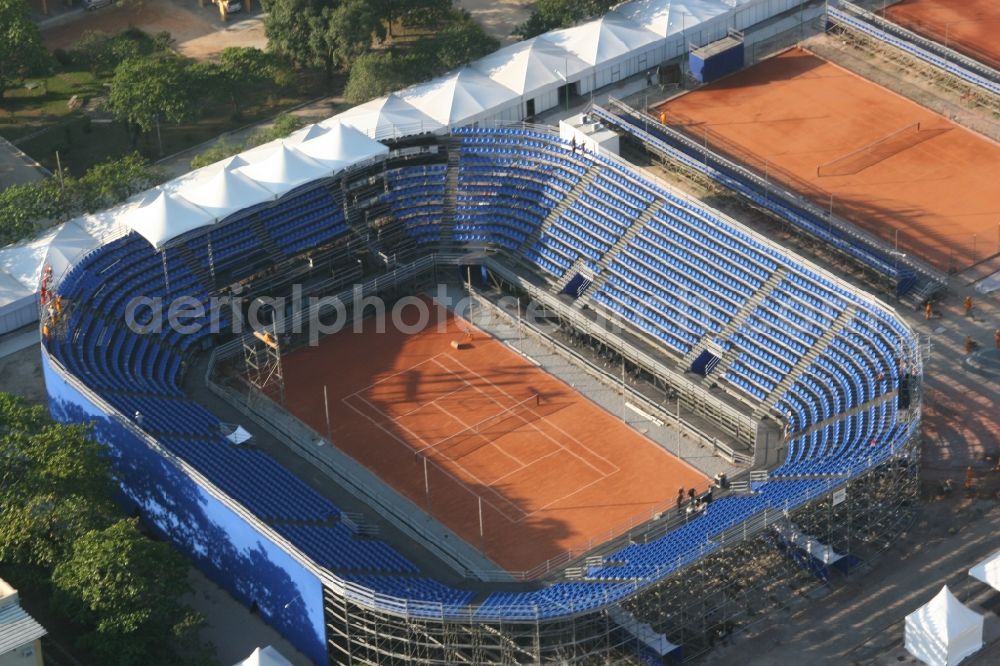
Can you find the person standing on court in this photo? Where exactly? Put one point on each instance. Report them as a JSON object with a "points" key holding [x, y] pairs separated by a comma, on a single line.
{"points": [[968, 306]]}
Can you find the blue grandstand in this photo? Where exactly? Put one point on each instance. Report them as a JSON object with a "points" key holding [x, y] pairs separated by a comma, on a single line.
{"points": [[791, 345]]}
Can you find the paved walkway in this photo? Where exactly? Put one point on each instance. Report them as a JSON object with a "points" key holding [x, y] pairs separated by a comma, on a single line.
{"points": [[16, 168]]}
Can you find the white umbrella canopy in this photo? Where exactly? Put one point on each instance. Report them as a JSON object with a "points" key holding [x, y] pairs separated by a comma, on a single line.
{"points": [[988, 571]]}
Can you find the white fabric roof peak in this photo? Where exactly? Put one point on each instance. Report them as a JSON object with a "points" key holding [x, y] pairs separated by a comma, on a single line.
{"points": [[387, 117], [459, 97], [602, 40], [531, 65], [162, 216], [283, 169]]}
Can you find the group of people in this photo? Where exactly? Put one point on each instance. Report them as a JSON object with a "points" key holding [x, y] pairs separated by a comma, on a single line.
{"points": [[968, 307]]}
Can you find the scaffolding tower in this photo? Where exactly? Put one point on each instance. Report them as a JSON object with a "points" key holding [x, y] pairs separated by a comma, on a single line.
{"points": [[262, 360]]}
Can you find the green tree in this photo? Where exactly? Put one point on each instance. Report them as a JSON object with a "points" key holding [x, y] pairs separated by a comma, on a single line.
{"points": [[461, 41], [553, 14], [289, 26], [54, 485], [375, 74], [101, 52], [25, 208], [107, 183], [127, 588], [21, 49], [145, 90]]}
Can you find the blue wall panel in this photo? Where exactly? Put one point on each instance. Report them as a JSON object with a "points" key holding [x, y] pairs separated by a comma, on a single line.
{"points": [[226, 547]]}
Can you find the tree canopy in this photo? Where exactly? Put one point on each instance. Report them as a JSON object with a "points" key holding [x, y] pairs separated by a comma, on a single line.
{"points": [[21, 49], [554, 14], [24, 207], [127, 587], [60, 530], [144, 90]]}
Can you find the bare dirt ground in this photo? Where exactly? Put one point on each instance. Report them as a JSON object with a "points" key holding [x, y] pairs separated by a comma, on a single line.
{"points": [[499, 17], [198, 32]]}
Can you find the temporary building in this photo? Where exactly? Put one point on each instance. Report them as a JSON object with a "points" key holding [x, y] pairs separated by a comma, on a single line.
{"points": [[534, 68], [225, 193], [614, 47], [268, 656], [464, 97], [943, 631], [338, 146], [282, 168], [162, 216], [21, 266], [988, 571], [18, 304], [388, 117]]}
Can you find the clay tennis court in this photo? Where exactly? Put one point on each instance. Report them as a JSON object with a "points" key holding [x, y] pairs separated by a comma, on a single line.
{"points": [[553, 470], [968, 26], [935, 183]]}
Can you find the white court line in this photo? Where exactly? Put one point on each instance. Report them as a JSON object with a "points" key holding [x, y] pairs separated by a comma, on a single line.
{"points": [[538, 417], [481, 436], [457, 480]]}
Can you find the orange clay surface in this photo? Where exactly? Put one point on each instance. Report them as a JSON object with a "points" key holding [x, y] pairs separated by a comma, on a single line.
{"points": [[969, 26], [554, 476], [797, 112]]}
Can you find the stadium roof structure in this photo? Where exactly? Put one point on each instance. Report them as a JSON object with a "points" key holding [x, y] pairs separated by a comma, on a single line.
{"points": [[284, 169], [603, 40], [531, 66], [387, 117], [943, 631], [225, 193], [462, 97], [162, 215], [673, 17], [336, 145]]}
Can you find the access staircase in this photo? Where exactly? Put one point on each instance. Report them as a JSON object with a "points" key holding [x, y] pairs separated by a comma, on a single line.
{"points": [[806, 360]]}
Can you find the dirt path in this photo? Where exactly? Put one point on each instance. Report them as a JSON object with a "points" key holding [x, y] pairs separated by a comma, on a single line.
{"points": [[499, 17], [198, 32]]}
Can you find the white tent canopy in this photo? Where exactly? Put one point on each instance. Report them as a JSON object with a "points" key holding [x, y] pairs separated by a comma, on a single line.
{"points": [[387, 117], [943, 632], [225, 193], [268, 656], [162, 216], [603, 40], [673, 17], [338, 146], [462, 97], [531, 66], [988, 571], [282, 169]]}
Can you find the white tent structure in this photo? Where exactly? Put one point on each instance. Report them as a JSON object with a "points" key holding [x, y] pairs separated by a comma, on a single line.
{"points": [[988, 571], [21, 268], [535, 69], [943, 631], [18, 304], [268, 656], [338, 146], [464, 97], [282, 169], [388, 117], [225, 193], [615, 47], [161, 216]]}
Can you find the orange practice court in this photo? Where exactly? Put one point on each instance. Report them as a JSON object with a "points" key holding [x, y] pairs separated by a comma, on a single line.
{"points": [[551, 470], [968, 26], [931, 188]]}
